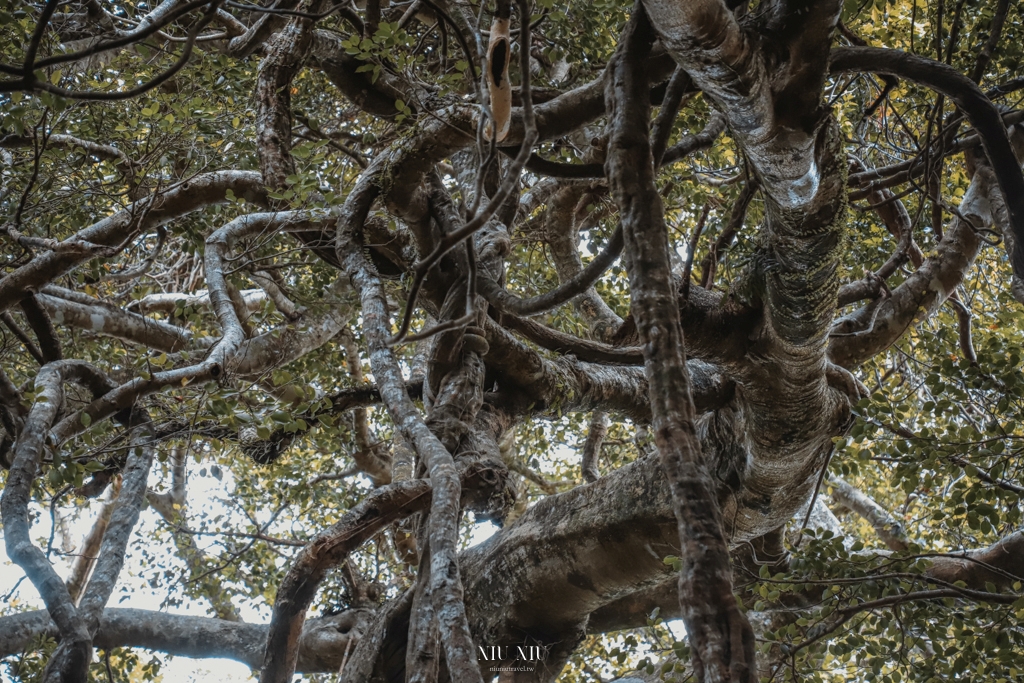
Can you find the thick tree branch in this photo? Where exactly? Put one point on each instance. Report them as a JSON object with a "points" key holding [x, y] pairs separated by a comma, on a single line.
{"points": [[30, 346], [885, 525], [115, 230], [578, 284], [327, 550], [73, 627], [113, 547], [532, 384], [114, 322], [447, 585], [592, 446], [873, 328], [89, 550], [722, 641], [98, 150], [167, 302], [716, 253], [321, 649]]}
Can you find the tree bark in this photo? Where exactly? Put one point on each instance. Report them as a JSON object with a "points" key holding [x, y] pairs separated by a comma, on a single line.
{"points": [[722, 641]]}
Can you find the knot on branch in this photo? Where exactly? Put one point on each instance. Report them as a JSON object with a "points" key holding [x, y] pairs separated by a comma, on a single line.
{"points": [[475, 340], [488, 490], [264, 451], [326, 641]]}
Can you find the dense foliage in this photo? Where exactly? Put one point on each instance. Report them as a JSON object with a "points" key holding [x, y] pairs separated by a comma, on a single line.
{"points": [[252, 465]]}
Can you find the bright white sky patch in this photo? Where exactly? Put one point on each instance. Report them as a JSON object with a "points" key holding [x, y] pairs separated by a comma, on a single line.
{"points": [[132, 589], [481, 532]]}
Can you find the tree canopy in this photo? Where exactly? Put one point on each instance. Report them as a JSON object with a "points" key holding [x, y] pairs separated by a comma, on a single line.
{"points": [[710, 310]]}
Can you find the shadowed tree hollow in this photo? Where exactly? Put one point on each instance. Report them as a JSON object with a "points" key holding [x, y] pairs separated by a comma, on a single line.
{"points": [[440, 341]]}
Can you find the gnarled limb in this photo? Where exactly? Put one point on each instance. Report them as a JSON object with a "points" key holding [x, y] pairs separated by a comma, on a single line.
{"points": [[693, 143], [458, 644], [72, 666], [285, 51], [116, 322], [577, 285], [592, 446], [46, 335], [722, 641], [88, 552], [533, 384], [112, 550], [145, 214], [897, 220], [553, 340], [369, 456], [716, 253], [11, 324], [328, 549], [867, 332]]}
